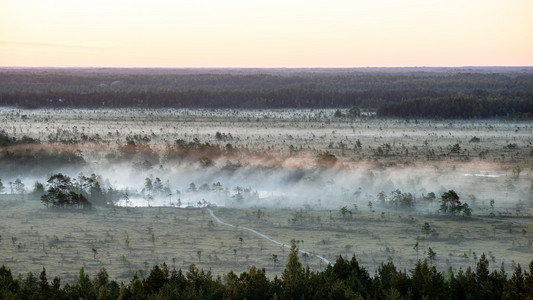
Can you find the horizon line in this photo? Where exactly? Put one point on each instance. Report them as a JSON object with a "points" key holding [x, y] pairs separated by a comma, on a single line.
{"points": [[278, 67]]}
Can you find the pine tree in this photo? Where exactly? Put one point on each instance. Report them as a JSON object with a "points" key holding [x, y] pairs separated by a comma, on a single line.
{"points": [[516, 285], [293, 277], [44, 286]]}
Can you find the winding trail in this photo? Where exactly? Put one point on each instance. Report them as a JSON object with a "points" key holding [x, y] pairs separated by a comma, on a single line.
{"points": [[266, 237]]}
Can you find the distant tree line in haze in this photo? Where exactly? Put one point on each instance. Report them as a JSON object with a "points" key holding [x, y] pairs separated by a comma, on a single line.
{"points": [[460, 107], [345, 279], [445, 94]]}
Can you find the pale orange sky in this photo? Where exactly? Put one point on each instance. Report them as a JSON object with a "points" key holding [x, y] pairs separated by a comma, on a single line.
{"points": [[275, 33]]}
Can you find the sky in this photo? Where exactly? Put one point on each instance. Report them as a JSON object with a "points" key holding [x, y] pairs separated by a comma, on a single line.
{"points": [[258, 33]]}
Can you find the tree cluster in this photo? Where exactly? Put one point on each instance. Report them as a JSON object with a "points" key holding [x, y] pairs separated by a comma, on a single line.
{"points": [[345, 279], [325, 160], [461, 106], [451, 205], [25, 153], [64, 192], [61, 193], [398, 200]]}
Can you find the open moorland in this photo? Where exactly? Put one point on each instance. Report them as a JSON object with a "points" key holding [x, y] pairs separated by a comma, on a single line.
{"points": [[131, 240], [331, 182]]}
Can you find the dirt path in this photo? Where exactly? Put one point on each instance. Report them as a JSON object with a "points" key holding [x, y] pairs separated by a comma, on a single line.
{"points": [[266, 237]]}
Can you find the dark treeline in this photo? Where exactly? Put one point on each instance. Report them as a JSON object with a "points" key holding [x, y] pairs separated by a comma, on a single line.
{"points": [[32, 88], [449, 81], [24, 154], [460, 106], [345, 279], [279, 98]]}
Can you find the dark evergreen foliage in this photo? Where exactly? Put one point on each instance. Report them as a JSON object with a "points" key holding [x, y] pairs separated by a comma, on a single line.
{"points": [[461, 106], [62, 193], [345, 279], [451, 205], [408, 94]]}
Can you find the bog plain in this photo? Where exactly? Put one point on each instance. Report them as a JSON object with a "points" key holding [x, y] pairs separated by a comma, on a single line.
{"points": [[360, 186]]}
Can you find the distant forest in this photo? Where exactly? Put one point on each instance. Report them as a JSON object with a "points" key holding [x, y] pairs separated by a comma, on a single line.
{"points": [[405, 93]]}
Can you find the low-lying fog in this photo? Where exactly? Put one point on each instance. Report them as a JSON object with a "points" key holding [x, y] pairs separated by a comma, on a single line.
{"points": [[235, 185], [476, 171]]}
